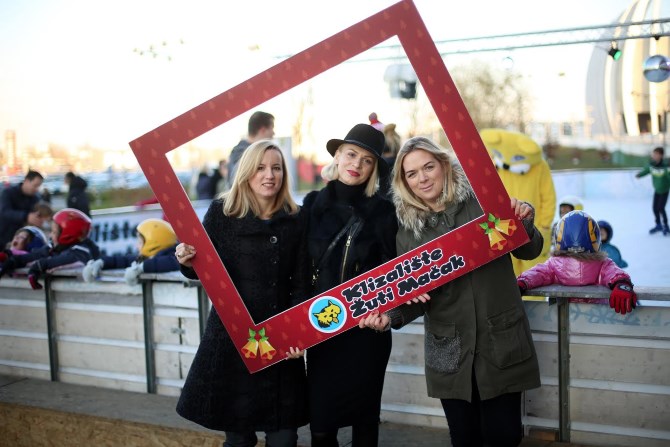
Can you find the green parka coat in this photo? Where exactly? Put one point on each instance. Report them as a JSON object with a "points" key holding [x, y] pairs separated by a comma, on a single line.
{"points": [[476, 322]]}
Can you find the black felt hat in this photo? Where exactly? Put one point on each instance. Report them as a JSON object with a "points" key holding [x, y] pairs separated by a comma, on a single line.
{"points": [[366, 137]]}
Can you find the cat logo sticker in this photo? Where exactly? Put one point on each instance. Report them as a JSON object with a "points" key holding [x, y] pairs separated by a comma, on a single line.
{"points": [[327, 314]]}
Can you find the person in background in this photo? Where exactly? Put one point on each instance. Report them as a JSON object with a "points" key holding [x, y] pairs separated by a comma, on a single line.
{"points": [[77, 197], [351, 230], [17, 206], [71, 248], [156, 243], [261, 126], [606, 234], [220, 178], [660, 177], [203, 186], [392, 143], [479, 352], [565, 205], [569, 203], [258, 232], [578, 261], [526, 175], [374, 122]]}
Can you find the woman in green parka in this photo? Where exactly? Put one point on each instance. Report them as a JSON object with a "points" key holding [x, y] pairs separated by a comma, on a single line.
{"points": [[479, 354]]}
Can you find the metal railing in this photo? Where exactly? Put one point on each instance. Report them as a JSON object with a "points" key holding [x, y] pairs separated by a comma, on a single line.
{"points": [[561, 296]]}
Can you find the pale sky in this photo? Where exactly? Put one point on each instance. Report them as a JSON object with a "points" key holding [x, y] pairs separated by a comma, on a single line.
{"points": [[69, 74]]}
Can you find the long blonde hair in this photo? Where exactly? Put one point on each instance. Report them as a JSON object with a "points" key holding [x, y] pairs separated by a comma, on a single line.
{"points": [[240, 200], [329, 172], [400, 187]]}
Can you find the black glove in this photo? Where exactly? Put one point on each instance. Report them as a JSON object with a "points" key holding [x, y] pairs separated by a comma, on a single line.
{"points": [[8, 266]]}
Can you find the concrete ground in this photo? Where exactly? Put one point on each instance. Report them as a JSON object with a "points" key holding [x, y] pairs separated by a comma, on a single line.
{"points": [[38, 412]]}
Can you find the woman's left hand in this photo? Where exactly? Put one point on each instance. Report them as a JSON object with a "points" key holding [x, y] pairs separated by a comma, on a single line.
{"points": [[522, 210], [295, 353], [375, 320], [185, 254]]}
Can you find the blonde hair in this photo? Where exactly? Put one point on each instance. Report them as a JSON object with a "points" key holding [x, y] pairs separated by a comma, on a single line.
{"points": [[329, 172], [240, 200], [393, 140], [400, 187]]}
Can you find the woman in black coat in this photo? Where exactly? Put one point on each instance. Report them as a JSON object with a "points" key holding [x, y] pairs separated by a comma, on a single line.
{"points": [[258, 233], [351, 230]]}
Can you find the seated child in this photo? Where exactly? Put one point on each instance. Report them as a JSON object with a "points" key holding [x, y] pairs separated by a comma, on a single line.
{"points": [[577, 261], [612, 251], [156, 241], [71, 247], [29, 237], [25, 240]]}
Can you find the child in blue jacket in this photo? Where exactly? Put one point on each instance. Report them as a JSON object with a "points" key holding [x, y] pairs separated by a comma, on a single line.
{"points": [[606, 233], [156, 244]]}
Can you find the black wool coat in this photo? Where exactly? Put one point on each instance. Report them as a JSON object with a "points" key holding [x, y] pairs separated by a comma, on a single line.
{"points": [[357, 355], [265, 260], [77, 197]]}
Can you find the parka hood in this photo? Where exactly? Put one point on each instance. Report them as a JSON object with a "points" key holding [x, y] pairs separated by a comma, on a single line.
{"points": [[414, 219]]}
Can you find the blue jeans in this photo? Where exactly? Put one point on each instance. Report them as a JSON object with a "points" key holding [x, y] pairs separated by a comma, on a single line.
{"points": [[280, 438]]}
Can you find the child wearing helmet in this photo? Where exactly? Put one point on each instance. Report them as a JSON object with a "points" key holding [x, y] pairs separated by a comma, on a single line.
{"points": [[71, 247], [606, 233], [156, 242], [577, 260]]}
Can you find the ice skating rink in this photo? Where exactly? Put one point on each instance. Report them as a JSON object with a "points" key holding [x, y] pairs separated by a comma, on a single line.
{"points": [[625, 202]]}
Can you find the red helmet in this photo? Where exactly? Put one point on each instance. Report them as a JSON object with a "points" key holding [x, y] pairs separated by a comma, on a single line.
{"points": [[74, 226]]}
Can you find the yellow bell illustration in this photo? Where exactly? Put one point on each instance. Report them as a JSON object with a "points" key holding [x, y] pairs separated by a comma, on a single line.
{"points": [[267, 351], [251, 348], [497, 240], [506, 226]]}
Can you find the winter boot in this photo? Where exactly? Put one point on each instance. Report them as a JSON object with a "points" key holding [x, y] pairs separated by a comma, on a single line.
{"points": [[666, 230], [656, 229]]}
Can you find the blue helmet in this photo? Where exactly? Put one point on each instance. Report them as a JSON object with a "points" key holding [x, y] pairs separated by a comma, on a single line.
{"points": [[603, 224], [38, 240], [577, 232]]}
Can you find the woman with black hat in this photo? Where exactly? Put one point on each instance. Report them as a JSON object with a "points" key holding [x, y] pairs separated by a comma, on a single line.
{"points": [[351, 230]]}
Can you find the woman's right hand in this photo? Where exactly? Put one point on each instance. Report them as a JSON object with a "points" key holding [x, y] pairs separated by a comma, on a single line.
{"points": [[185, 254]]}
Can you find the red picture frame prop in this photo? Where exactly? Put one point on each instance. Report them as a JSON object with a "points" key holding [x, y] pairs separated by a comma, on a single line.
{"points": [[495, 233]]}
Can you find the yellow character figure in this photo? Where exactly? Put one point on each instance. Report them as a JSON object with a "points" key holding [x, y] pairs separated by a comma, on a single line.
{"points": [[526, 176]]}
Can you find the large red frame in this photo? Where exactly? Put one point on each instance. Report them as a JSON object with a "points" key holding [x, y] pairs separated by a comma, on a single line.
{"points": [[262, 344]]}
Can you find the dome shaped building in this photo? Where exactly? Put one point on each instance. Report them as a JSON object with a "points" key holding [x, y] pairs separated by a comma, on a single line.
{"points": [[622, 106]]}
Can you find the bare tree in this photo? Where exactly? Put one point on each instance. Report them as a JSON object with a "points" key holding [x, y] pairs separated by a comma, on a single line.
{"points": [[494, 97]]}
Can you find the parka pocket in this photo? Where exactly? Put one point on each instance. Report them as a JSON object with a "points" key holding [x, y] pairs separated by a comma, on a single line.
{"points": [[442, 347], [510, 343]]}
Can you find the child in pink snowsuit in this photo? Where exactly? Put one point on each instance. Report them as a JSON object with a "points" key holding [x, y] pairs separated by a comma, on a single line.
{"points": [[577, 261]]}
